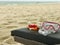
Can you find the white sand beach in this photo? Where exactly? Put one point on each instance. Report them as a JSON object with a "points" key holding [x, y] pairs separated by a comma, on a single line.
{"points": [[17, 16]]}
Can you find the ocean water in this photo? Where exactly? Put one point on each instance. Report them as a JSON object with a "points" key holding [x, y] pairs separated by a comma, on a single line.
{"points": [[14, 2]]}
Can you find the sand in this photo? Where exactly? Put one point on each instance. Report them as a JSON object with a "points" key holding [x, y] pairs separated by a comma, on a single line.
{"points": [[17, 16]]}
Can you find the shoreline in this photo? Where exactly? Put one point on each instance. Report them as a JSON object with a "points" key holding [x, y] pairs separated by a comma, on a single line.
{"points": [[23, 2]]}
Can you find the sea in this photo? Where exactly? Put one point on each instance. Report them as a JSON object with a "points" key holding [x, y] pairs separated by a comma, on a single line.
{"points": [[24, 2]]}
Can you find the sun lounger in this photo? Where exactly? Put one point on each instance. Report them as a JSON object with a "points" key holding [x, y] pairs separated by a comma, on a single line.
{"points": [[24, 33]]}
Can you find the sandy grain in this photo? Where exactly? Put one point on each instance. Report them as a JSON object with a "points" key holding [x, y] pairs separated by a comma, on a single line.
{"points": [[18, 16]]}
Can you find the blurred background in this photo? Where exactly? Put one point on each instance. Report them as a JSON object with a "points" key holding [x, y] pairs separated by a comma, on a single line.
{"points": [[14, 15]]}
